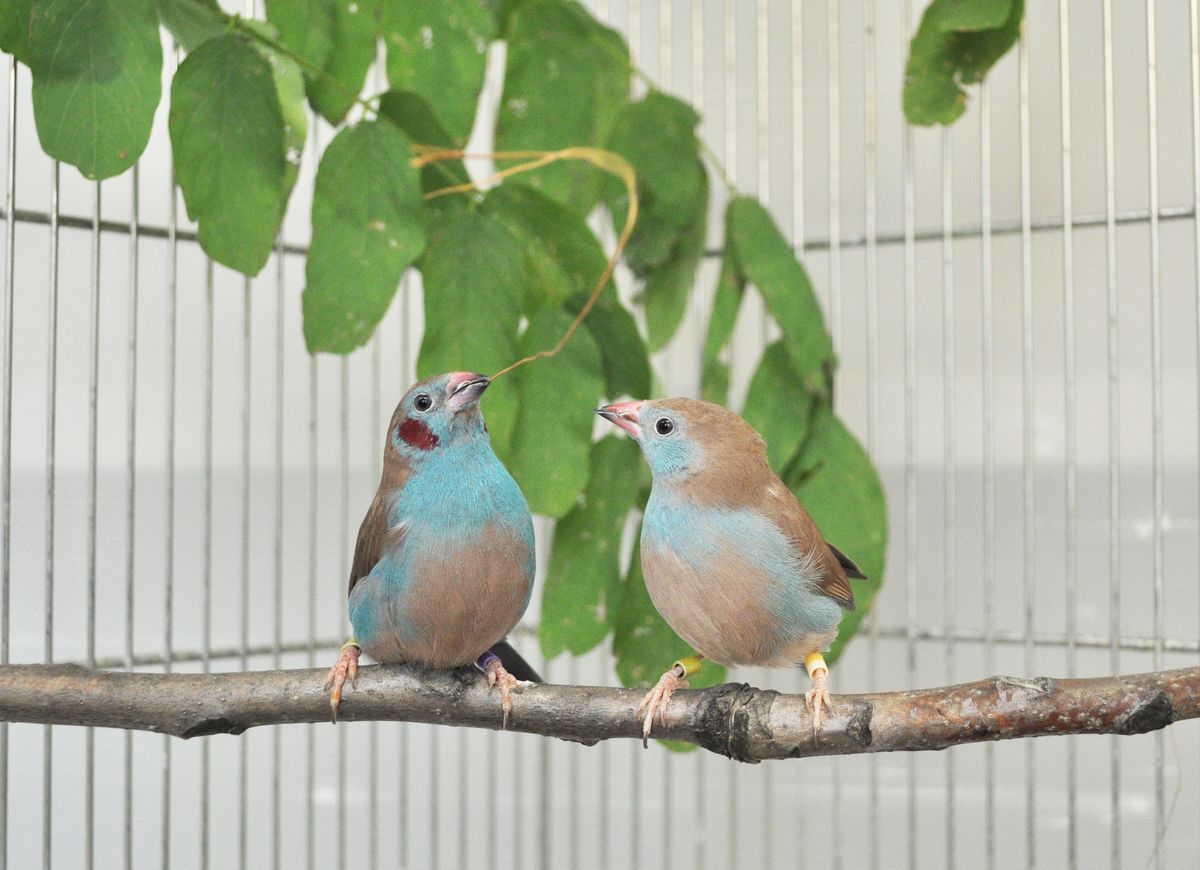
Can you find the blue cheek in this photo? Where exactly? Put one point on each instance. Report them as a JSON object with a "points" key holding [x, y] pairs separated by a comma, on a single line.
{"points": [[670, 455]]}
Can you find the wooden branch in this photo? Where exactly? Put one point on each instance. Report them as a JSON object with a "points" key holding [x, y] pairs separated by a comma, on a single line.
{"points": [[735, 720]]}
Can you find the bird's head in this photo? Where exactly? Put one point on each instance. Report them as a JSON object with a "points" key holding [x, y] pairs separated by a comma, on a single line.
{"points": [[685, 437], [436, 413]]}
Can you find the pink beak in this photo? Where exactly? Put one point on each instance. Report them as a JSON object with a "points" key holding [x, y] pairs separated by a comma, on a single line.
{"points": [[465, 388], [623, 414]]}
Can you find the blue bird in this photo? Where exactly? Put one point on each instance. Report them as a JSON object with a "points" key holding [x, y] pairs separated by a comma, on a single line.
{"points": [[443, 566], [732, 561]]}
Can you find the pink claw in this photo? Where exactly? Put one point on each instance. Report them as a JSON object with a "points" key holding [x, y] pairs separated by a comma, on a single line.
{"points": [[346, 668], [656, 700]]}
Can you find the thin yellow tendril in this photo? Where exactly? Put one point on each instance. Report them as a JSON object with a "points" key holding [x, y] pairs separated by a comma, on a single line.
{"points": [[607, 161]]}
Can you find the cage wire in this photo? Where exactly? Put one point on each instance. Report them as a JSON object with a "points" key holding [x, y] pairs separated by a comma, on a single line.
{"points": [[1014, 301]]}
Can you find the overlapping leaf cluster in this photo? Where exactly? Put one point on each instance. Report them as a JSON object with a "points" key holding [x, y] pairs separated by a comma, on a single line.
{"points": [[503, 273]]}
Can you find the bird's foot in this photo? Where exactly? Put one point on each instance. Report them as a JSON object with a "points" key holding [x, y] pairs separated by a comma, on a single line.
{"points": [[498, 676], [656, 699], [346, 668], [817, 698]]}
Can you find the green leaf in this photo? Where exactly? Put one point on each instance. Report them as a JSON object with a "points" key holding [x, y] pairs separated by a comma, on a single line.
{"points": [[585, 558], [306, 27], [957, 42], [669, 284], [439, 50], [657, 135], [366, 231], [15, 23], [351, 52], [566, 78], [563, 261], [289, 90], [836, 481], [416, 118], [229, 142], [626, 364], [191, 22], [645, 646], [731, 284], [552, 438], [768, 262], [97, 68], [778, 405]]}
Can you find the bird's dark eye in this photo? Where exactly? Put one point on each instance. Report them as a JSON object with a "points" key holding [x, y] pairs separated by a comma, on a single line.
{"points": [[664, 426], [423, 402]]}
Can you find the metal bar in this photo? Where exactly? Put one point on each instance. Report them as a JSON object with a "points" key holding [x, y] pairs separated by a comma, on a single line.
{"points": [[797, 16], [1194, 47], [169, 532], [89, 848], [1027, 411], [244, 607], [311, 644], [277, 626], [314, 127], [372, 444], [206, 607], [403, 778], [950, 459], [834, 181], [1069, 449], [873, 375], [148, 231], [131, 497], [6, 459], [51, 503], [344, 536], [1156, 400], [1128, 643], [910, 459], [1114, 416], [1166, 213]]}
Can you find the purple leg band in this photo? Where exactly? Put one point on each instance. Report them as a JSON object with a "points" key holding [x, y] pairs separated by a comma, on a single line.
{"points": [[486, 659]]}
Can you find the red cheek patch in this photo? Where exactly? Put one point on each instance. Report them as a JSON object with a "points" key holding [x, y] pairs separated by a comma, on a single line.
{"points": [[418, 435]]}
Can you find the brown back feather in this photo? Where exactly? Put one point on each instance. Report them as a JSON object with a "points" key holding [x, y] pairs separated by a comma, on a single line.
{"points": [[373, 534], [743, 478]]}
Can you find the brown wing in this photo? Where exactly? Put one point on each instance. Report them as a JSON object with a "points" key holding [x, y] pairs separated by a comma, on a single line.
{"points": [[373, 537], [781, 506]]}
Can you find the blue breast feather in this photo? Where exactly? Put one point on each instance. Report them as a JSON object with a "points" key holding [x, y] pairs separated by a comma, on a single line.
{"points": [[444, 506], [695, 533]]}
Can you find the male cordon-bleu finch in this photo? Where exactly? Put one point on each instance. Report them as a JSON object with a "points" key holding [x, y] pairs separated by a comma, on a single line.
{"points": [[733, 562], [443, 566]]}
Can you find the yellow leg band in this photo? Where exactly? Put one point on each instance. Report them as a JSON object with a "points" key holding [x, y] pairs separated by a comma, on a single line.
{"points": [[690, 664], [815, 662], [350, 643]]}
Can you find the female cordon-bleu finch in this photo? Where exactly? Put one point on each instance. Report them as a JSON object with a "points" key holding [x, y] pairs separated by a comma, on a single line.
{"points": [[733, 562]]}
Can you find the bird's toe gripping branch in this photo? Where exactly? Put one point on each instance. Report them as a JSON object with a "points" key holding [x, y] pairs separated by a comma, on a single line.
{"points": [[656, 699], [491, 665], [817, 698], [346, 668]]}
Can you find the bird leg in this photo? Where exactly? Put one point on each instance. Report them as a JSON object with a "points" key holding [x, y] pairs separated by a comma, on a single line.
{"points": [[347, 666], [817, 697], [656, 699], [491, 665]]}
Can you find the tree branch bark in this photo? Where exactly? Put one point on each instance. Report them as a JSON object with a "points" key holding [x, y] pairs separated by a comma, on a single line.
{"points": [[734, 720]]}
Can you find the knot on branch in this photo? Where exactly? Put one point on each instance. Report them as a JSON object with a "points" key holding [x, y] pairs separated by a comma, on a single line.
{"points": [[730, 717], [1149, 713]]}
